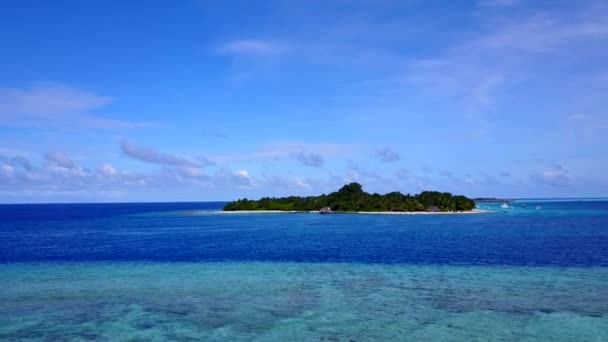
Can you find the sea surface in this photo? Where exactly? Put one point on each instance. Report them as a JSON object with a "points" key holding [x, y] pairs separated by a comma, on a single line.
{"points": [[536, 271]]}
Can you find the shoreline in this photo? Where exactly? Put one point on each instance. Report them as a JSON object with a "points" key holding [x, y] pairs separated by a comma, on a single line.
{"points": [[234, 212], [474, 211], [259, 212]]}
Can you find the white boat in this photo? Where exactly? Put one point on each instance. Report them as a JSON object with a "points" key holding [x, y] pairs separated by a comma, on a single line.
{"points": [[504, 206]]}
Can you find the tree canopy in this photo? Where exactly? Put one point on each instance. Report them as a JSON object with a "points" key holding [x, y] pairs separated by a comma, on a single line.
{"points": [[352, 198]]}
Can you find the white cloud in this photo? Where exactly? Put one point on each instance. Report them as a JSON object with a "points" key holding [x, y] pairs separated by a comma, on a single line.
{"points": [[108, 170], [286, 186], [498, 3], [252, 47], [310, 153], [474, 74], [242, 173], [312, 159], [7, 170], [553, 175], [152, 156], [192, 172], [226, 178], [60, 160], [577, 116], [51, 103], [301, 183], [17, 161], [204, 161], [542, 32], [60, 175], [446, 173], [352, 165], [49, 100], [387, 155]]}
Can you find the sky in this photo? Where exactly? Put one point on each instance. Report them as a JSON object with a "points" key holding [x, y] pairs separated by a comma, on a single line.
{"points": [[120, 101]]}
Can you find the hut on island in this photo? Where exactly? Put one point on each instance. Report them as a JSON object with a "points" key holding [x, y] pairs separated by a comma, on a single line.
{"points": [[325, 210], [433, 209]]}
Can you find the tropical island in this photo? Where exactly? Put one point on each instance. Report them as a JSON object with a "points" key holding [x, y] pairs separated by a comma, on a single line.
{"points": [[352, 198]]}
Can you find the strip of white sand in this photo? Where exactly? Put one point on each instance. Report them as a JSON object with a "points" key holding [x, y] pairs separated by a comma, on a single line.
{"points": [[258, 212], [474, 211]]}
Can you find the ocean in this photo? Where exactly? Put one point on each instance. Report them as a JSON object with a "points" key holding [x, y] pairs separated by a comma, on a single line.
{"points": [[537, 271]]}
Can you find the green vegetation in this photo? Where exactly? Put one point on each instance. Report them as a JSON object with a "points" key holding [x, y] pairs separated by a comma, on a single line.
{"points": [[351, 197]]}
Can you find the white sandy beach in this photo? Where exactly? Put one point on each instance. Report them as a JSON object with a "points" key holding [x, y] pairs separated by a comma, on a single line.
{"points": [[257, 212], [474, 211]]}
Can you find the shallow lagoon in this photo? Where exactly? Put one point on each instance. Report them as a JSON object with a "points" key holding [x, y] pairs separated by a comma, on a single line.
{"points": [[301, 301]]}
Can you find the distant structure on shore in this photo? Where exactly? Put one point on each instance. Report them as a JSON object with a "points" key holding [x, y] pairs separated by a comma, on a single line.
{"points": [[492, 200], [325, 210]]}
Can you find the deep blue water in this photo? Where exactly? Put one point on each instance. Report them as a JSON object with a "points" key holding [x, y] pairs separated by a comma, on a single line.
{"points": [[74, 211], [558, 233]]}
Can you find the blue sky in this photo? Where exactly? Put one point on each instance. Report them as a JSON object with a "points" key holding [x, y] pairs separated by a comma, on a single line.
{"points": [[214, 100]]}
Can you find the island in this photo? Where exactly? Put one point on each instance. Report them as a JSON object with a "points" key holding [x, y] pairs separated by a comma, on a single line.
{"points": [[352, 198]]}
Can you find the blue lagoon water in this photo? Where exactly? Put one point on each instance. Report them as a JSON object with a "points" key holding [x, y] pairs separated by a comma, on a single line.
{"points": [[180, 271]]}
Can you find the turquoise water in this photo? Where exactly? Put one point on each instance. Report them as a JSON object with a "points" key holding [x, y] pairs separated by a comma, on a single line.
{"points": [[301, 301], [115, 273]]}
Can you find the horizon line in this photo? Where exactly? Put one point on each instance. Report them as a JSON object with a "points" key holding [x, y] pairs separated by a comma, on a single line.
{"points": [[226, 201]]}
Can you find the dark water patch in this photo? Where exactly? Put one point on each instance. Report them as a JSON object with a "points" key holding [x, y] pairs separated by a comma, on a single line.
{"points": [[495, 239], [74, 211]]}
